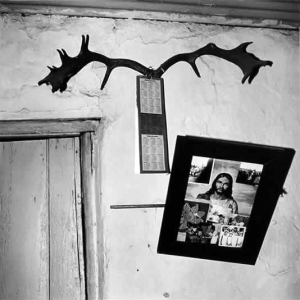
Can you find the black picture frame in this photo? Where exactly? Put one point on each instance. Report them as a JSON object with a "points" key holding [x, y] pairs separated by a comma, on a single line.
{"points": [[177, 235]]}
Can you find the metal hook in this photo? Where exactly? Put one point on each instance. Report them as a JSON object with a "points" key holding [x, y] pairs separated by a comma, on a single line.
{"points": [[149, 75]]}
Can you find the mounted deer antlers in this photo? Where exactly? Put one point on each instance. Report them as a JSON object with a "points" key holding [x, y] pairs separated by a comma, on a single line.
{"points": [[58, 77]]}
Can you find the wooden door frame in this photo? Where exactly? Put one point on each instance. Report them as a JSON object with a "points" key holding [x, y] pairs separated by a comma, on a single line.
{"points": [[89, 131]]}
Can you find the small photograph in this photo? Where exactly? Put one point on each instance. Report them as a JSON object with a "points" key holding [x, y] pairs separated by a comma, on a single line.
{"points": [[239, 220], [232, 236], [219, 214], [249, 173], [200, 170], [192, 222], [201, 234]]}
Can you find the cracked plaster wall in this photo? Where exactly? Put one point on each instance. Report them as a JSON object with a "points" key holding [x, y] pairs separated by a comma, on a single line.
{"points": [[217, 105]]}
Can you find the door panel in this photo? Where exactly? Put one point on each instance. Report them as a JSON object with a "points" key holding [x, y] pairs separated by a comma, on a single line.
{"points": [[65, 272], [23, 219], [41, 254]]}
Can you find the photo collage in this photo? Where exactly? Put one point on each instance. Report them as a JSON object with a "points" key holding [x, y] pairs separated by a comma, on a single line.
{"points": [[218, 202]]}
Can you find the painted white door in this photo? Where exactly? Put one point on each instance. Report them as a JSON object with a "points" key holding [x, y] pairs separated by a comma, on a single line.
{"points": [[41, 253]]}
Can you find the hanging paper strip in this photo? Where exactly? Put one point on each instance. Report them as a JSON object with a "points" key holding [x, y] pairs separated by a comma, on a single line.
{"points": [[152, 126]]}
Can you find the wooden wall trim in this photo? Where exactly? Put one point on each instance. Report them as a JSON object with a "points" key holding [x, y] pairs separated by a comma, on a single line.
{"points": [[38, 128], [92, 226], [263, 13]]}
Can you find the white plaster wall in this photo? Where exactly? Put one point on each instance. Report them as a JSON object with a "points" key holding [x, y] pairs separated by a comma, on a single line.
{"points": [[217, 105]]}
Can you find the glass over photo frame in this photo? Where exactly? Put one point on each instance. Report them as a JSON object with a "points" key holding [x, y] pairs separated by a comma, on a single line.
{"points": [[221, 198]]}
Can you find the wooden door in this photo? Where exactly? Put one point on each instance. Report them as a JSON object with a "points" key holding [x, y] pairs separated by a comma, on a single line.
{"points": [[41, 252]]}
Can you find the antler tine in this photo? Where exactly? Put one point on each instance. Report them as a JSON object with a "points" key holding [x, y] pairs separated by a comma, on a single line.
{"points": [[244, 46], [250, 76], [87, 41], [253, 74], [63, 54], [84, 43], [106, 76], [194, 66]]}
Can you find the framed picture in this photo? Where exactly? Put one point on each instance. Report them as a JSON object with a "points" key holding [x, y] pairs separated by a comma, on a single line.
{"points": [[221, 198]]}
